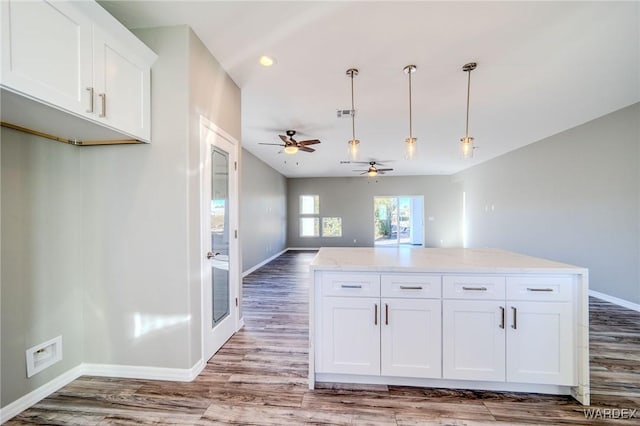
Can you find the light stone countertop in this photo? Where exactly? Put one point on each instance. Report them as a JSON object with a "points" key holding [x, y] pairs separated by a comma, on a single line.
{"points": [[440, 260]]}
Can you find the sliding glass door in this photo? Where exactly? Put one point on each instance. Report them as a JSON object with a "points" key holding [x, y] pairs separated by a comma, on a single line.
{"points": [[398, 220]]}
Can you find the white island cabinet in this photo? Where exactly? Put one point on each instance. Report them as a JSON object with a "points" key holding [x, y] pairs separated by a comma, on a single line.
{"points": [[456, 318]]}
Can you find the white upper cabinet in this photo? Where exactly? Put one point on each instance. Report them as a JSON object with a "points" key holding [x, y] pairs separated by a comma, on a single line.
{"points": [[46, 52], [75, 59], [121, 86]]}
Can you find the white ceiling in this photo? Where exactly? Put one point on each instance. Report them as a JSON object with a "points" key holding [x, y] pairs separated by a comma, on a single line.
{"points": [[543, 67]]}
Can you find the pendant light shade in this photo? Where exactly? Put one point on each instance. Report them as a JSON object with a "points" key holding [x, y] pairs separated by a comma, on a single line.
{"points": [[353, 142], [410, 142], [466, 142]]}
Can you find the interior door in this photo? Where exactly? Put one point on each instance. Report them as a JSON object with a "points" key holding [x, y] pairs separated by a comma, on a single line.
{"points": [[220, 244]]}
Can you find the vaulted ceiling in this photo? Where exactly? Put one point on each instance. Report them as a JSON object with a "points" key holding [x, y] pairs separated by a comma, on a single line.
{"points": [[543, 67]]}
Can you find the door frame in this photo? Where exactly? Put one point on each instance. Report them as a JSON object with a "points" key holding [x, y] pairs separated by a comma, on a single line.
{"points": [[207, 130]]}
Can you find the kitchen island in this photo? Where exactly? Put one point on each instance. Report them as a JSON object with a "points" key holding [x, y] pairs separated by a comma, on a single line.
{"points": [[452, 318]]}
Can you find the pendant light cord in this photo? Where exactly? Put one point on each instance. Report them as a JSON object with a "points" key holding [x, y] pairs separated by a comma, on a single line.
{"points": [[466, 131], [410, 111], [353, 112]]}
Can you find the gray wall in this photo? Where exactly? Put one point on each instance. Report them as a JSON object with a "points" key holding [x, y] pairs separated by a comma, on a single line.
{"points": [[352, 199], [41, 272], [573, 197], [263, 213], [143, 214], [102, 244]]}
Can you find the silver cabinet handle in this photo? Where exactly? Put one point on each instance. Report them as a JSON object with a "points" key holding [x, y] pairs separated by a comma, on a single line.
{"points": [[351, 286], [502, 316], [103, 104], [474, 288], [375, 315], [410, 287], [90, 90], [386, 314], [212, 255], [539, 289], [515, 318]]}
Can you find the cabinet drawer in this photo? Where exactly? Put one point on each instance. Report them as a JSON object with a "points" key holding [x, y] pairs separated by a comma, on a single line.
{"points": [[531, 287], [354, 284], [419, 286], [473, 287]]}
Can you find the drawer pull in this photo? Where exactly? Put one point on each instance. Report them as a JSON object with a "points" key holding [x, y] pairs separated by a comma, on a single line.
{"points": [[515, 318], [351, 286], [474, 288], [386, 314], [539, 289], [375, 315], [502, 315], [410, 287]]}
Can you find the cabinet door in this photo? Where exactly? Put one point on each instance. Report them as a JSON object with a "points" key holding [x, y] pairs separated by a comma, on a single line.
{"points": [[122, 86], [46, 53], [473, 340], [540, 343], [411, 338], [350, 339]]}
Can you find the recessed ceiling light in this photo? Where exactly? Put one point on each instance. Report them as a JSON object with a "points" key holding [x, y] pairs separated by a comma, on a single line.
{"points": [[267, 61]]}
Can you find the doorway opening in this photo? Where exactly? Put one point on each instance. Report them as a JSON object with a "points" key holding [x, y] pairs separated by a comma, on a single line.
{"points": [[398, 220]]}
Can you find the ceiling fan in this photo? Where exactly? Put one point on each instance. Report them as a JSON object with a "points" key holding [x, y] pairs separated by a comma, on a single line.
{"points": [[291, 146], [372, 170]]}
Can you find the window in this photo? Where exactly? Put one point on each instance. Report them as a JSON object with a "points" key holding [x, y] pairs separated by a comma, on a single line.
{"points": [[332, 227], [309, 227], [309, 204], [309, 216]]}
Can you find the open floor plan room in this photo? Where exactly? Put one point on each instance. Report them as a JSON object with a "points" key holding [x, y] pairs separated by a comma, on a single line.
{"points": [[260, 377]]}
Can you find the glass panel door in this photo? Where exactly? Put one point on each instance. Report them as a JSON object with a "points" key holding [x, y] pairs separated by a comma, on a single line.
{"points": [[385, 220], [219, 255]]}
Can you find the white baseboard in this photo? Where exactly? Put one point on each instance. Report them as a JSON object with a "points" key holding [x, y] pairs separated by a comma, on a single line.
{"points": [[261, 264], [33, 397], [142, 372], [303, 248], [615, 300], [101, 370]]}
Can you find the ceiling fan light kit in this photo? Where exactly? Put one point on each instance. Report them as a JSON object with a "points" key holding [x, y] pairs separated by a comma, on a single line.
{"points": [[410, 142], [353, 142], [466, 142]]}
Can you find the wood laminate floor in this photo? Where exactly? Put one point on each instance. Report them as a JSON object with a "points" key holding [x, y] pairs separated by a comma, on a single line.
{"points": [[260, 377]]}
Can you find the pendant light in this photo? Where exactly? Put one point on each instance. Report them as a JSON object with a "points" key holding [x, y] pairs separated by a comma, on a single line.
{"points": [[466, 143], [410, 142], [353, 143]]}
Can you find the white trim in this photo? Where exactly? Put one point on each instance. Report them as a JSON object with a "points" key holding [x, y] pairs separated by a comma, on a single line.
{"points": [[101, 370], [303, 248], [442, 383], [143, 372], [264, 262], [19, 405], [615, 300]]}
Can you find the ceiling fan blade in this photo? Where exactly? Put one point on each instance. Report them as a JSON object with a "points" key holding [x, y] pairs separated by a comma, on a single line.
{"points": [[384, 170], [285, 139], [265, 143], [306, 149], [309, 142], [364, 173]]}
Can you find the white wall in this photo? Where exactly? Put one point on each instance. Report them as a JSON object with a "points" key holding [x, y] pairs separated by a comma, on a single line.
{"points": [[352, 199], [263, 215], [41, 263], [572, 197]]}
